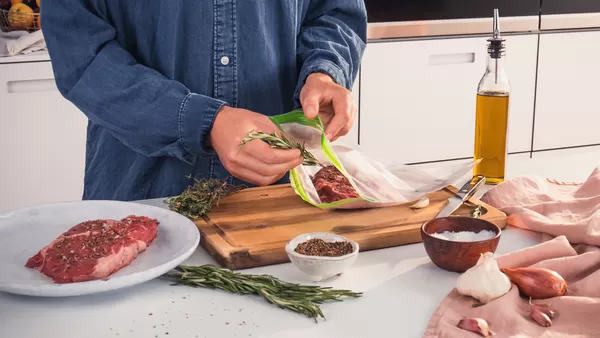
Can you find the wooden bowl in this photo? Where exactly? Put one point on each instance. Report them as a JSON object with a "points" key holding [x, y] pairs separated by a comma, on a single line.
{"points": [[457, 256]]}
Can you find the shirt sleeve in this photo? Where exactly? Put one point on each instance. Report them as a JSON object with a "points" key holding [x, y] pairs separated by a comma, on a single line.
{"points": [[148, 112], [332, 40]]}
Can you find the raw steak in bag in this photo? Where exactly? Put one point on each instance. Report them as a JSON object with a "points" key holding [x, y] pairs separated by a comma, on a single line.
{"points": [[347, 178]]}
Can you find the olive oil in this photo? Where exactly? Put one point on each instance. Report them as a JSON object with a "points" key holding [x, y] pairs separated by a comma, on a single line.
{"points": [[491, 128], [491, 113]]}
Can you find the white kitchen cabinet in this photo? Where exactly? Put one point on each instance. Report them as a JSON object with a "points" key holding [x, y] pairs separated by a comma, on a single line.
{"points": [[351, 139], [567, 110], [418, 97], [577, 163], [42, 139]]}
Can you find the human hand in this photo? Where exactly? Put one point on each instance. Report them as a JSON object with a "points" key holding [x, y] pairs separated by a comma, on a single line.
{"points": [[321, 95], [256, 162]]}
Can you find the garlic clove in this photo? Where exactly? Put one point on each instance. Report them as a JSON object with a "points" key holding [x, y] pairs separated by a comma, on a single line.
{"points": [[422, 203], [476, 325], [541, 318], [544, 308], [547, 311], [537, 283]]}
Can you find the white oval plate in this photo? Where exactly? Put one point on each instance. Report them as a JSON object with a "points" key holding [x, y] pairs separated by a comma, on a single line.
{"points": [[25, 231]]}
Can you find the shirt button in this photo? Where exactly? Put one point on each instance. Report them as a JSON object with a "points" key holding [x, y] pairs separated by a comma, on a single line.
{"points": [[224, 60]]}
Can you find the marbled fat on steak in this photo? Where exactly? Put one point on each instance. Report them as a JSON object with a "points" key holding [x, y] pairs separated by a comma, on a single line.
{"points": [[94, 249], [332, 185]]}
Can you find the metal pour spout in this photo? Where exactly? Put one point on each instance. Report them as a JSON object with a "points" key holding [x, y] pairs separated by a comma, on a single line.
{"points": [[496, 46], [496, 25]]}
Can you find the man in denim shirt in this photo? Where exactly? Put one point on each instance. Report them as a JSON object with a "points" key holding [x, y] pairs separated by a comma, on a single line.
{"points": [[171, 87]]}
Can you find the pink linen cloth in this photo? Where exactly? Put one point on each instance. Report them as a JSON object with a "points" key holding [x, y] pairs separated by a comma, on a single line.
{"points": [[568, 214]]}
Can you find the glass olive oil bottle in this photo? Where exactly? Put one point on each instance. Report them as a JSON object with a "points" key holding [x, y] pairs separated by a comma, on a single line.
{"points": [[492, 108]]}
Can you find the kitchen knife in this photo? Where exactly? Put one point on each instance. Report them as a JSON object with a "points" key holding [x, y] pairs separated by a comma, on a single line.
{"points": [[466, 192]]}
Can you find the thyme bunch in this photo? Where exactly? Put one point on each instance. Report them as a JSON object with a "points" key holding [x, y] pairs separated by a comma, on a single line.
{"points": [[198, 199], [295, 297], [282, 142]]}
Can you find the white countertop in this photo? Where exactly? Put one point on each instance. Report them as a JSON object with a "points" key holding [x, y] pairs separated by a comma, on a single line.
{"points": [[401, 289]]}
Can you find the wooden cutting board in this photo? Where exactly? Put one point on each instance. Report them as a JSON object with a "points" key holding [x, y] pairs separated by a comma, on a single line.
{"points": [[251, 228]]}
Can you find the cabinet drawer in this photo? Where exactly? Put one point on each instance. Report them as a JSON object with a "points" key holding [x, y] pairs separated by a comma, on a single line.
{"points": [[42, 138], [418, 97]]}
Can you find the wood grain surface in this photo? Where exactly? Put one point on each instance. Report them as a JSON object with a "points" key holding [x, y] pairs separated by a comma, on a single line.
{"points": [[251, 228]]}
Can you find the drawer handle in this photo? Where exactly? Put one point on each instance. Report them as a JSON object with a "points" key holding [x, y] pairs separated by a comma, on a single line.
{"points": [[451, 59], [31, 86]]}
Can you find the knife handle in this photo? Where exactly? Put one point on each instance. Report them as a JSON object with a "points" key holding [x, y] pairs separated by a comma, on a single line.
{"points": [[469, 189]]}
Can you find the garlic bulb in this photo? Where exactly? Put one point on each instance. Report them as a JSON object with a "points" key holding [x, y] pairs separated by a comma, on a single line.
{"points": [[484, 281]]}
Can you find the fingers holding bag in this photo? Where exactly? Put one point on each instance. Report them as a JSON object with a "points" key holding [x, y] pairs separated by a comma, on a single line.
{"points": [[333, 103]]}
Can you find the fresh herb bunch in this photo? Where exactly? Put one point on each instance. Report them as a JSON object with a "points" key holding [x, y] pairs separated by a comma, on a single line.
{"points": [[295, 297], [198, 199], [282, 142]]}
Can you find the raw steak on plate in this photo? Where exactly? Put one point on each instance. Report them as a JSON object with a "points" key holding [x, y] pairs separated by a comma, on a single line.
{"points": [[94, 249]]}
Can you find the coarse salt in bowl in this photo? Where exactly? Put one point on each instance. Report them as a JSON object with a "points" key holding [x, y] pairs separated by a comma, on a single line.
{"points": [[455, 243], [464, 236], [321, 267]]}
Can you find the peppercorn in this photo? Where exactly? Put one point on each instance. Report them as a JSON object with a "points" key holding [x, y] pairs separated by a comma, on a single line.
{"points": [[319, 247]]}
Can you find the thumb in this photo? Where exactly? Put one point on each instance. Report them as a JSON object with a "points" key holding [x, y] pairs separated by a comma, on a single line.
{"points": [[310, 105]]}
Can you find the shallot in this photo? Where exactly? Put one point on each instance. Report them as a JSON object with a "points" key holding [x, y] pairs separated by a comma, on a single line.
{"points": [[537, 283]]}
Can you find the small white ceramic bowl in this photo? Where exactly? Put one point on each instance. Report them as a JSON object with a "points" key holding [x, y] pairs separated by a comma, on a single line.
{"points": [[319, 267]]}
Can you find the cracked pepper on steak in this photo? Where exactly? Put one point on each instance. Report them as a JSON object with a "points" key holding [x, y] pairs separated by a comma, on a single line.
{"points": [[94, 249]]}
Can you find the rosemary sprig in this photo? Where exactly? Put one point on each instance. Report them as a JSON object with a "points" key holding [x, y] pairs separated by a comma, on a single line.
{"points": [[302, 299], [198, 199], [282, 142], [476, 213]]}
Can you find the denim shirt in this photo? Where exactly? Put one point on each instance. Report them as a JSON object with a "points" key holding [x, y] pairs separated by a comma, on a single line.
{"points": [[150, 75]]}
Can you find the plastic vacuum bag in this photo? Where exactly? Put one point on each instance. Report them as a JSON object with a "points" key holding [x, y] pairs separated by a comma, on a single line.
{"points": [[375, 184]]}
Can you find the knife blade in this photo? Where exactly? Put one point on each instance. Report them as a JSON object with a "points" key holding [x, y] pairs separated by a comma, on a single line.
{"points": [[466, 192], [454, 193]]}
